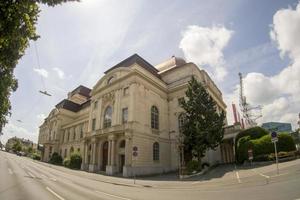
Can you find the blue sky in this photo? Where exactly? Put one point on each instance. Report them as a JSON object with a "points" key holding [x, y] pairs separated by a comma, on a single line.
{"points": [[79, 41]]}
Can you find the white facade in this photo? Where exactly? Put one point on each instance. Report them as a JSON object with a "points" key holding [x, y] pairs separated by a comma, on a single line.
{"points": [[133, 105]]}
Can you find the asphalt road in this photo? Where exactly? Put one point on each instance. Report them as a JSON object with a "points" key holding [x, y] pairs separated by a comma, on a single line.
{"points": [[22, 178]]}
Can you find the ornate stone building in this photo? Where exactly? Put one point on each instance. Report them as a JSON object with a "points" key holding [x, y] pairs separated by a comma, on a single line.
{"points": [[133, 106]]}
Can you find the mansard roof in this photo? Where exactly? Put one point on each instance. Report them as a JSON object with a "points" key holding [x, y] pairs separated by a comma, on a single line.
{"points": [[135, 58], [71, 106], [82, 90]]}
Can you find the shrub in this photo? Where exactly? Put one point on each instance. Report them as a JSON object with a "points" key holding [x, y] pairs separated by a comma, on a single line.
{"points": [[75, 161], [66, 162], [205, 164], [286, 142], [56, 159], [193, 166], [253, 133], [263, 146], [243, 146], [264, 157], [36, 156]]}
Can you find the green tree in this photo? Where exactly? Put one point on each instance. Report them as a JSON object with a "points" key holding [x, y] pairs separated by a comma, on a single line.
{"points": [[17, 146], [17, 27], [203, 127]]}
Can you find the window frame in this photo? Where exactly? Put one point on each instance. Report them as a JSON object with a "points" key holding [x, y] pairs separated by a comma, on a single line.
{"points": [[126, 91], [125, 114], [155, 152], [93, 124], [107, 121], [154, 118], [180, 120]]}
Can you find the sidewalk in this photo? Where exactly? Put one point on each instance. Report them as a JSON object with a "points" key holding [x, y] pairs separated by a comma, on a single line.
{"points": [[223, 175]]}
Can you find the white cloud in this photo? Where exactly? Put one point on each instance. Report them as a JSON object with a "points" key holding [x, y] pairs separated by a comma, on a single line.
{"points": [[59, 72], [11, 130], [285, 31], [204, 46], [41, 72], [280, 94]]}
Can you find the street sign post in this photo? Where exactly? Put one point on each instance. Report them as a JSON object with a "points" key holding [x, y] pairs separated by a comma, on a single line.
{"points": [[250, 155], [274, 139], [134, 155]]}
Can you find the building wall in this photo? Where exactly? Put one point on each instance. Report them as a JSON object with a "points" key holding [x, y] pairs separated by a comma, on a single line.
{"points": [[143, 90]]}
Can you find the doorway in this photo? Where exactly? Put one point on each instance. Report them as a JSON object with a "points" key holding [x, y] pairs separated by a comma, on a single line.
{"points": [[104, 155], [122, 162]]}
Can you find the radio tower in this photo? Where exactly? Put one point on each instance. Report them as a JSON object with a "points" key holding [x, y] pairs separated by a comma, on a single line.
{"points": [[248, 111]]}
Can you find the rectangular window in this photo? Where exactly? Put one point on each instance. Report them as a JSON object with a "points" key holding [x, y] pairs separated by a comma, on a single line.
{"points": [[65, 155], [126, 91], [68, 135], [95, 104], [124, 115], [93, 124], [81, 131]]}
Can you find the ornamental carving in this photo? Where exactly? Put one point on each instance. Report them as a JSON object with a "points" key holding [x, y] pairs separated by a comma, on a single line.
{"points": [[109, 97]]}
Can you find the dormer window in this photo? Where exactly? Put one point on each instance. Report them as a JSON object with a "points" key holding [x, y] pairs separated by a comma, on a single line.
{"points": [[110, 80]]}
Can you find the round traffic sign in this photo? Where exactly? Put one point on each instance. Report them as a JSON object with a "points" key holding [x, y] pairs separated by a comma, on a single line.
{"points": [[273, 134], [135, 148], [135, 154]]}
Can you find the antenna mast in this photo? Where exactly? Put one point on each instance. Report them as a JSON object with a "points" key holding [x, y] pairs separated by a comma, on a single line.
{"points": [[246, 109]]}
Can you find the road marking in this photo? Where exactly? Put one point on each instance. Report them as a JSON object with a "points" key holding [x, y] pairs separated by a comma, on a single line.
{"points": [[10, 171], [237, 174], [257, 172], [30, 174], [276, 175], [43, 176], [55, 194], [53, 179], [111, 195]]}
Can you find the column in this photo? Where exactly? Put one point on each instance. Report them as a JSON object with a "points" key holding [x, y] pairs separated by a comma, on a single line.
{"points": [[94, 152], [128, 152], [113, 152], [99, 115], [116, 108], [131, 109], [100, 154], [109, 152], [85, 153]]}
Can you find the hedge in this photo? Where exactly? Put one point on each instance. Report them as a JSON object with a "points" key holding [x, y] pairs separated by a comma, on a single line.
{"points": [[254, 133], [66, 162], [193, 166], [56, 159], [263, 146], [36, 156], [75, 161]]}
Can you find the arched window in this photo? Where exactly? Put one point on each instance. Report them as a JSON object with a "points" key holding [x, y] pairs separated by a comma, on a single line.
{"points": [[181, 119], [154, 117], [155, 151], [107, 117]]}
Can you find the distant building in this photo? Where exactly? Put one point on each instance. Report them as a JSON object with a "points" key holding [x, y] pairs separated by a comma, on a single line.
{"points": [[24, 142], [278, 126]]}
